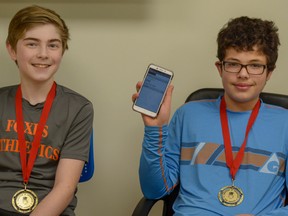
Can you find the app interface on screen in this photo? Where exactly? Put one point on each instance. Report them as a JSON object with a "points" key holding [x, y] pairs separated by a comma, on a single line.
{"points": [[152, 90]]}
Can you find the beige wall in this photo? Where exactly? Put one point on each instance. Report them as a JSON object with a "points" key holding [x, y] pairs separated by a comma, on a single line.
{"points": [[112, 43]]}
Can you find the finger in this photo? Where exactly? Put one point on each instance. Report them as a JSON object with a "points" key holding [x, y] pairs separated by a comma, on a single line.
{"points": [[134, 97], [138, 85]]}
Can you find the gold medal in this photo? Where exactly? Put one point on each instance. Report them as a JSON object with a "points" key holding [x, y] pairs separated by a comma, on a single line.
{"points": [[230, 196], [24, 201]]}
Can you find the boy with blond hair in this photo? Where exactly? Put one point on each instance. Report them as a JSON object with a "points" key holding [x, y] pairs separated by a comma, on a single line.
{"points": [[45, 127]]}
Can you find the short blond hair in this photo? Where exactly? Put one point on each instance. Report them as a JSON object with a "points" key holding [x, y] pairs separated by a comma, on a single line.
{"points": [[29, 17]]}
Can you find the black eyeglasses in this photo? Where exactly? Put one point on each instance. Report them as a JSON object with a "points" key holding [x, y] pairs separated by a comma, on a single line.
{"points": [[233, 67]]}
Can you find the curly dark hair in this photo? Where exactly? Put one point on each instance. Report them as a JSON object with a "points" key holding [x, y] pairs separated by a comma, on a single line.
{"points": [[243, 33]]}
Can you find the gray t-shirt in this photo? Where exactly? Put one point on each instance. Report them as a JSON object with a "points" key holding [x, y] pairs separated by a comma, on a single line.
{"points": [[65, 135]]}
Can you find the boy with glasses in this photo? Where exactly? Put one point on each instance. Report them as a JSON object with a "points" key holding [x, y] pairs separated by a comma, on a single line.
{"points": [[229, 154], [45, 127]]}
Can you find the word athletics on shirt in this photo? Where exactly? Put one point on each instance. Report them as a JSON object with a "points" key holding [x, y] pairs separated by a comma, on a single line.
{"points": [[12, 145]]}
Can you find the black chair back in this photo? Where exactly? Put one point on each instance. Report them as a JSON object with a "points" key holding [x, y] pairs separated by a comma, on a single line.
{"points": [[212, 93]]}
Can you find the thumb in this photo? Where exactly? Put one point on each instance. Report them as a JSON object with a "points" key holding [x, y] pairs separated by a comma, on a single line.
{"points": [[168, 96]]}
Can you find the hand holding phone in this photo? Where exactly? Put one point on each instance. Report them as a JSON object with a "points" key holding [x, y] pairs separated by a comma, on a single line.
{"points": [[153, 90]]}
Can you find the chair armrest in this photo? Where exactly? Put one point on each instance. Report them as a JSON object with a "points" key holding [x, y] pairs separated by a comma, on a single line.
{"points": [[144, 206]]}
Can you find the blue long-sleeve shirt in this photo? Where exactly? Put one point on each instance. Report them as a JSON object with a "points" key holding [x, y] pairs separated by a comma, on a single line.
{"points": [[191, 151]]}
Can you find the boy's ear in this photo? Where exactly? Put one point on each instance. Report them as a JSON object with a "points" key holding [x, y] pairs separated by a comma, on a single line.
{"points": [[219, 67], [269, 74], [11, 51]]}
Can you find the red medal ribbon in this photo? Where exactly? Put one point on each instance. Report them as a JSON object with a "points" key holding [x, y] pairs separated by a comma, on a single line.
{"points": [[28, 165], [234, 164]]}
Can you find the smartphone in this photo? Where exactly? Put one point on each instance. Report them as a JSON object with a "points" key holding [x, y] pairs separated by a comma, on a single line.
{"points": [[153, 90]]}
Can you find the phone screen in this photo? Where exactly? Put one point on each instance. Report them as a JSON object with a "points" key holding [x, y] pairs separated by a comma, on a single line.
{"points": [[152, 90]]}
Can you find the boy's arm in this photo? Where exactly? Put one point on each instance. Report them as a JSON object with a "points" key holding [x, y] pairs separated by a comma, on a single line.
{"points": [[159, 163], [155, 168], [66, 180]]}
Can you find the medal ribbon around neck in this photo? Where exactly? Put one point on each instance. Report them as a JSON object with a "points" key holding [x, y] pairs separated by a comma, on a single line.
{"points": [[234, 165], [28, 165]]}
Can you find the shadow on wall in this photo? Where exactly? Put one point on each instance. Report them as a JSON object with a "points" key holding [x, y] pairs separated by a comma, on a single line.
{"points": [[84, 9]]}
